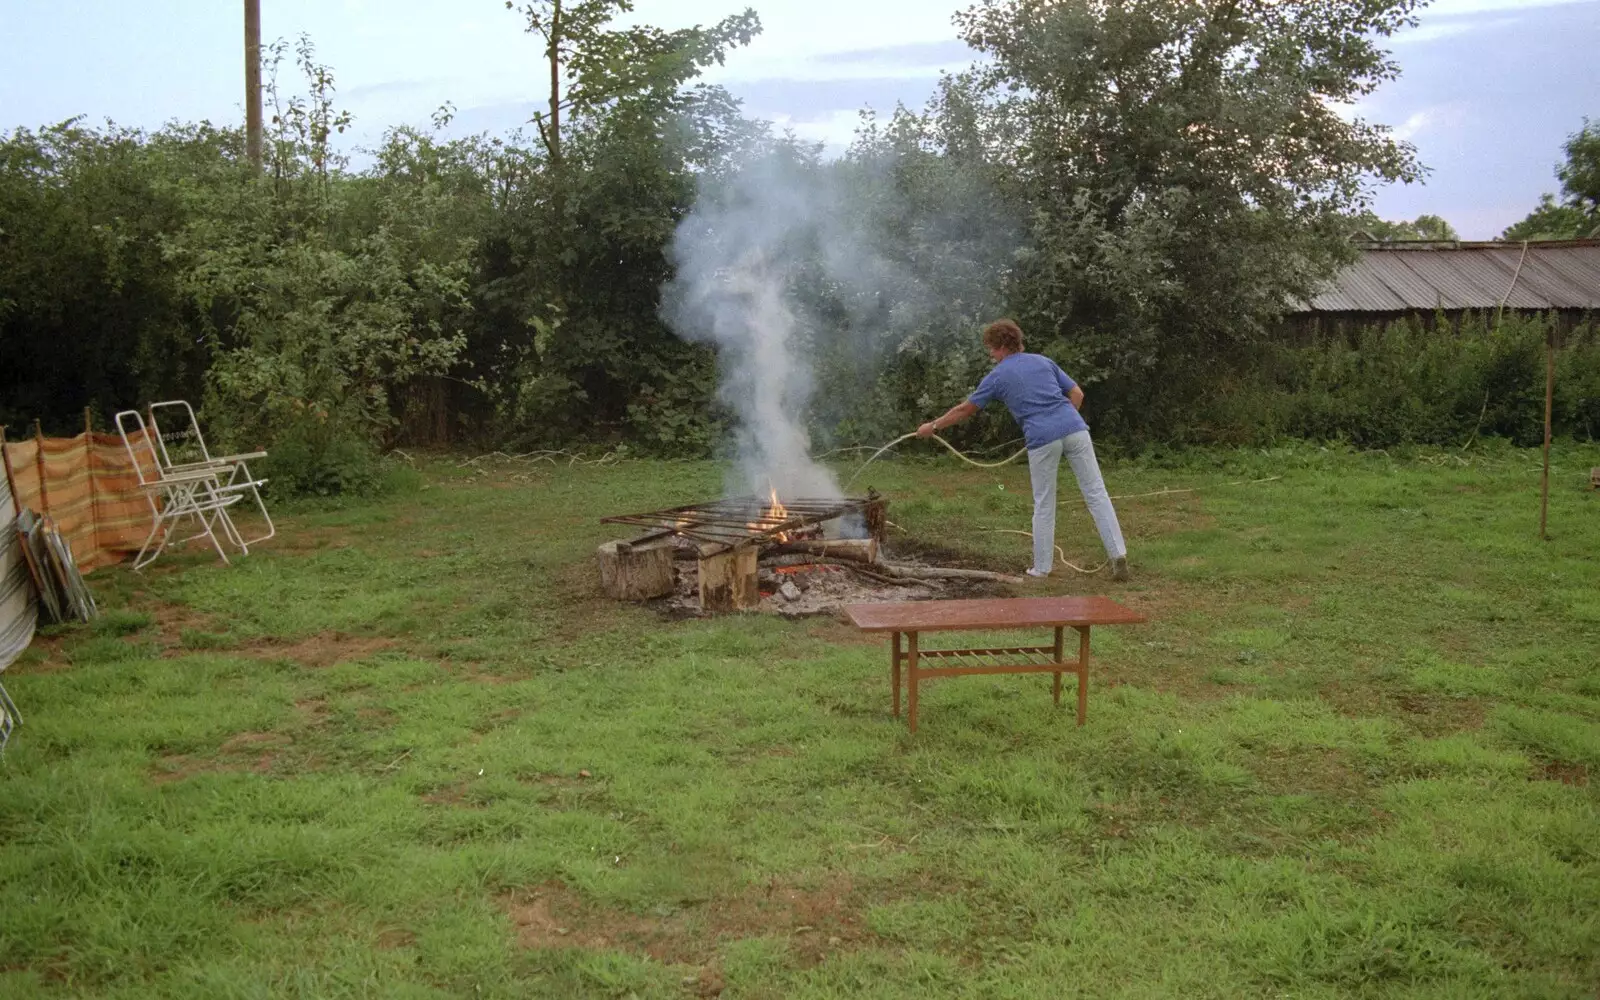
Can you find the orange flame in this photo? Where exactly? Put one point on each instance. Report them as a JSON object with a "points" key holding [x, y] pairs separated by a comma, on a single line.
{"points": [[775, 512]]}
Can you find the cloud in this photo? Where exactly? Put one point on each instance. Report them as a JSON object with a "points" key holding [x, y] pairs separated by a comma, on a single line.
{"points": [[1432, 119], [811, 100], [1433, 31], [389, 87], [1459, 8], [1491, 139], [834, 129], [498, 118], [921, 54]]}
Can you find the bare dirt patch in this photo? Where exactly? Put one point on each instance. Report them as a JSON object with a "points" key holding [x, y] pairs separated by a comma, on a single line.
{"points": [[303, 539], [246, 741], [172, 620], [1162, 514], [556, 780], [1566, 773], [497, 720], [451, 795], [322, 650], [178, 767], [836, 630], [45, 655], [816, 921], [395, 938], [1429, 715], [1437, 715], [1322, 771], [471, 670], [913, 549], [254, 752]]}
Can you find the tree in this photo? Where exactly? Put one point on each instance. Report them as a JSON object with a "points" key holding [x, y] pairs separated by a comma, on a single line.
{"points": [[1181, 166], [1423, 227], [1578, 213], [1580, 178], [571, 342], [325, 296], [601, 65], [92, 312]]}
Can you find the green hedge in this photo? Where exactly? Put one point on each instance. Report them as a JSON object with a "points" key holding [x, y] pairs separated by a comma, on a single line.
{"points": [[1404, 383]]}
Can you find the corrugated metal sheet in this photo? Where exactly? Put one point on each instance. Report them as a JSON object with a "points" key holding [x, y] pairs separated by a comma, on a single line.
{"points": [[1427, 276]]}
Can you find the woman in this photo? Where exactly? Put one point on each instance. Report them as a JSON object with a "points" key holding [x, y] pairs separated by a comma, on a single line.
{"points": [[1045, 402]]}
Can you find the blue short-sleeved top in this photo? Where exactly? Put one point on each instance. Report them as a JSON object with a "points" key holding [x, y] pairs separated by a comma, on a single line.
{"points": [[1034, 389]]}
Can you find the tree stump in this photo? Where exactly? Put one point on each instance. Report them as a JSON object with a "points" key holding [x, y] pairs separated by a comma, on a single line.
{"points": [[877, 518], [728, 579], [636, 572]]}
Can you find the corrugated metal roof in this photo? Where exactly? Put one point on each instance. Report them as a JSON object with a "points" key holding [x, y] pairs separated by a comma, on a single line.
{"points": [[1397, 277]]}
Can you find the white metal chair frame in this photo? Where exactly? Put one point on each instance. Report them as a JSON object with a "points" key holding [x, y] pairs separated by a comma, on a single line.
{"points": [[236, 467], [176, 494]]}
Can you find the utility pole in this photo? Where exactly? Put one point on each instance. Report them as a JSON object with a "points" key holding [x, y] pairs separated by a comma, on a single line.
{"points": [[252, 82], [553, 140]]}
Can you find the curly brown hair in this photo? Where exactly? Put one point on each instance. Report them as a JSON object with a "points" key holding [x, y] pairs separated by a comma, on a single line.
{"points": [[1003, 334]]}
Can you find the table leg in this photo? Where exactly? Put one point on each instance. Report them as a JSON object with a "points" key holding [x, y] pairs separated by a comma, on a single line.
{"points": [[911, 679], [1083, 672], [894, 674], [1056, 690]]}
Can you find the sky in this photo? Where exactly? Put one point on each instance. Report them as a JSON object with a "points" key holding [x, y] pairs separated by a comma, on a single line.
{"points": [[1489, 92]]}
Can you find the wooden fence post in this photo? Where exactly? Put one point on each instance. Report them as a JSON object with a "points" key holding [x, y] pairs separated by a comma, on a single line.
{"points": [[94, 505], [1549, 399]]}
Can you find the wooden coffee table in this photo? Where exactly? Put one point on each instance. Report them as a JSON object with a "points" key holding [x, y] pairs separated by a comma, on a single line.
{"points": [[911, 618]]}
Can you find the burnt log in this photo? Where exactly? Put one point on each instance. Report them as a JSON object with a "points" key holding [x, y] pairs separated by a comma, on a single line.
{"points": [[855, 549], [632, 572], [941, 573]]}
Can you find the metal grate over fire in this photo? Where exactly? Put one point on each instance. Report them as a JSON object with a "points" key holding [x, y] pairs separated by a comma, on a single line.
{"points": [[724, 525], [814, 554], [722, 551]]}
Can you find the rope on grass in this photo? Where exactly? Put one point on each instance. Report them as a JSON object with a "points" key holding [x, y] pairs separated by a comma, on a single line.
{"points": [[1060, 555], [1191, 489], [532, 457]]}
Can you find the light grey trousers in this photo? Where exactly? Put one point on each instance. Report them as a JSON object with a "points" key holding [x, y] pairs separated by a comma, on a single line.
{"points": [[1043, 463]]}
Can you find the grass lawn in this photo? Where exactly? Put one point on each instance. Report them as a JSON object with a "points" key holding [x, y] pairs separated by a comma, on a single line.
{"points": [[407, 750]]}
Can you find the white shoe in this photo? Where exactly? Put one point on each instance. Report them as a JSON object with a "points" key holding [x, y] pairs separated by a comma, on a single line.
{"points": [[1030, 571]]}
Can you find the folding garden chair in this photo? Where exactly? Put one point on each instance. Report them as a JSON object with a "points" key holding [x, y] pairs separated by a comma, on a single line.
{"points": [[176, 494], [182, 448]]}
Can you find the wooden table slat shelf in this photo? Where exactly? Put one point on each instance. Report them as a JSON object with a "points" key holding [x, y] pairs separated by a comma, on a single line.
{"points": [[908, 619]]}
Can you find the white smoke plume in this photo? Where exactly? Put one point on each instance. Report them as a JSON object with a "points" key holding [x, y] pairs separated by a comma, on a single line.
{"points": [[785, 267], [735, 254]]}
